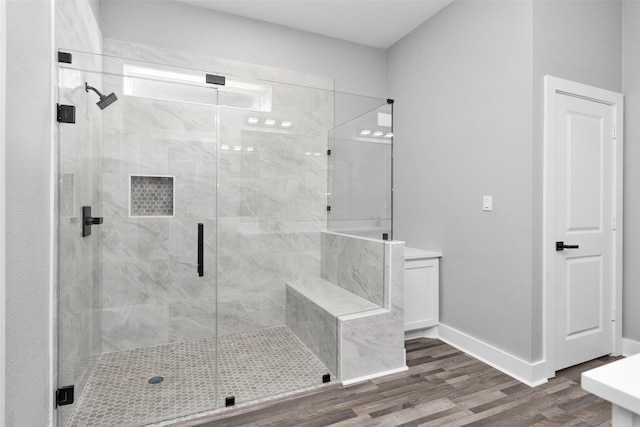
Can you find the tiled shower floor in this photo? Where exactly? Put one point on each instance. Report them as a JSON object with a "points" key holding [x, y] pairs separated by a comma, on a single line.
{"points": [[253, 365]]}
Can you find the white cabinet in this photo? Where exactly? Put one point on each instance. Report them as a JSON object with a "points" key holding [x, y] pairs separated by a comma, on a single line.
{"points": [[421, 288]]}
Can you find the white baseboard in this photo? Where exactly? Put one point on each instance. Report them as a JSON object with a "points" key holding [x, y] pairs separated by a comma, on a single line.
{"points": [[376, 375], [532, 374], [431, 332], [630, 347]]}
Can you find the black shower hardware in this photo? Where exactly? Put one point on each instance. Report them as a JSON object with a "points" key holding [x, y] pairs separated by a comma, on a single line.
{"points": [[200, 249], [88, 221], [105, 101]]}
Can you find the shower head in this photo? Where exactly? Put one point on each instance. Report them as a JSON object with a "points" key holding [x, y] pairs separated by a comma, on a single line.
{"points": [[105, 101]]}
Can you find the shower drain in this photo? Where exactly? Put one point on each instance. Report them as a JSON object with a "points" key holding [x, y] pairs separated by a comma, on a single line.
{"points": [[155, 380]]}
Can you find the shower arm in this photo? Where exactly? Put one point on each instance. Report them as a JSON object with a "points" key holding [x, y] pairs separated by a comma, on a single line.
{"points": [[87, 88]]}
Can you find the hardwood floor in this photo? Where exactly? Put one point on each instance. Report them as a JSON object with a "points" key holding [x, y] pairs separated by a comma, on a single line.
{"points": [[443, 387]]}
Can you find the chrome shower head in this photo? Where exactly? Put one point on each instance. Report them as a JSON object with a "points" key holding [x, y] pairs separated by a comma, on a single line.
{"points": [[105, 101]]}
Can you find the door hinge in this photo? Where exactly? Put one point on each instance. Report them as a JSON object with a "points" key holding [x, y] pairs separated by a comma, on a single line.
{"points": [[64, 395], [215, 79], [613, 314], [613, 133], [65, 57], [66, 113], [328, 152], [328, 208]]}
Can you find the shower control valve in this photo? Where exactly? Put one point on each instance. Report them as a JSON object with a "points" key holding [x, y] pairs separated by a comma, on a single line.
{"points": [[93, 220]]}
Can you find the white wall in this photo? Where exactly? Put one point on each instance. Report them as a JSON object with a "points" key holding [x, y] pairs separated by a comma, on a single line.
{"points": [[3, 52], [28, 212], [462, 83], [631, 90], [356, 68], [468, 86]]}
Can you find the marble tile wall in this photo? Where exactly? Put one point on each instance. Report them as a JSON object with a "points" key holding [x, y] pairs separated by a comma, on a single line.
{"points": [[152, 293], [372, 343], [315, 327], [266, 211], [77, 153], [355, 264], [272, 207]]}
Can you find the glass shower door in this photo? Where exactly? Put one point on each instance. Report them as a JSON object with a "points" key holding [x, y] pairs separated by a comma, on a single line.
{"points": [[137, 296], [360, 175]]}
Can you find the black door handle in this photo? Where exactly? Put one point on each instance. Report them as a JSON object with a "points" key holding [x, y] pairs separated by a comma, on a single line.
{"points": [[200, 249], [560, 246]]}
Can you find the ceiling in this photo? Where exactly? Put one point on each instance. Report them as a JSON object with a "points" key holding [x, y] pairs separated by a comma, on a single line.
{"points": [[376, 23]]}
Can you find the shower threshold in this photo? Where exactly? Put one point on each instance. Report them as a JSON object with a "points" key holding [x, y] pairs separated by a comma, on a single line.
{"points": [[180, 381]]}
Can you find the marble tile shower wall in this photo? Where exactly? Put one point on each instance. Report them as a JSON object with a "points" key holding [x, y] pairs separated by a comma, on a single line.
{"points": [[270, 206], [355, 264], [78, 149], [152, 293]]}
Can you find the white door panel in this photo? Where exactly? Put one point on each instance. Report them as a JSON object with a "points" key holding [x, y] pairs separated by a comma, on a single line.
{"points": [[584, 200]]}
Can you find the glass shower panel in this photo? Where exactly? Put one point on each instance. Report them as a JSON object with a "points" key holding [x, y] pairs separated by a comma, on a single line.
{"points": [[209, 217], [137, 297], [360, 175], [271, 211]]}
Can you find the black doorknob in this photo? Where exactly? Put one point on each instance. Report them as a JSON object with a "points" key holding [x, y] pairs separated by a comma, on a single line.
{"points": [[560, 246]]}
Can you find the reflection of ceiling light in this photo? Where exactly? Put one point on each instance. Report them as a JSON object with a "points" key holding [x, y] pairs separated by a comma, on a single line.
{"points": [[375, 134], [224, 147], [269, 122], [286, 124], [307, 153], [249, 148], [316, 154], [237, 148], [252, 120]]}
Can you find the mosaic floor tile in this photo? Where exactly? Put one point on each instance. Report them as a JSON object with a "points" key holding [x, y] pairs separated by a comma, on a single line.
{"points": [[252, 365]]}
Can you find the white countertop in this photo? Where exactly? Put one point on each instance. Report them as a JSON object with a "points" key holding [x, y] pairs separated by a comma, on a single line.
{"points": [[618, 382], [414, 253]]}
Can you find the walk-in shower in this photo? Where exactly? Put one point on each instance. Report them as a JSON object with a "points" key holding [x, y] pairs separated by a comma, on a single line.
{"points": [[213, 194]]}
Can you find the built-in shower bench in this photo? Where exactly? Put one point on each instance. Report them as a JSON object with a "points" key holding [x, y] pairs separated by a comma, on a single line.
{"points": [[318, 311], [333, 299], [335, 315]]}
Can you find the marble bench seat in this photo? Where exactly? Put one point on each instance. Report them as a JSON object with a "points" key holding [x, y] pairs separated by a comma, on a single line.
{"points": [[332, 298], [317, 311]]}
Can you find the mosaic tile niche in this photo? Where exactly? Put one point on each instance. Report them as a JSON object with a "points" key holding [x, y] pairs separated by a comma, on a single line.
{"points": [[151, 196]]}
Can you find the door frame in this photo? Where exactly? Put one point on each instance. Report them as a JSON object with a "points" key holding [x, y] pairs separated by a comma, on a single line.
{"points": [[552, 87]]}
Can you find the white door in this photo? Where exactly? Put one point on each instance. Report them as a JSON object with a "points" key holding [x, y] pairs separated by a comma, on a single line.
{"points": [[584, 222]]}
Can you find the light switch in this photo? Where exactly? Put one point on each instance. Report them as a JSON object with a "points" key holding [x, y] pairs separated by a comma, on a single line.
{"points": [[487, 203]]}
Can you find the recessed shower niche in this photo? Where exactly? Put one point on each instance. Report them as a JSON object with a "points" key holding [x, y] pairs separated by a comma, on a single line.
{"points": [[151, 196]]}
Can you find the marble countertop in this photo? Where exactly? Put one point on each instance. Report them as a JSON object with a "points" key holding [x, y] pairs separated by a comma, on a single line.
{"points": [[414, 253], [618, 382]]}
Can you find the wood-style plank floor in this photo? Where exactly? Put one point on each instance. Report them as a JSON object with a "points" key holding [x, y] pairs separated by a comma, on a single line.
{"points": [[443, 387]]}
